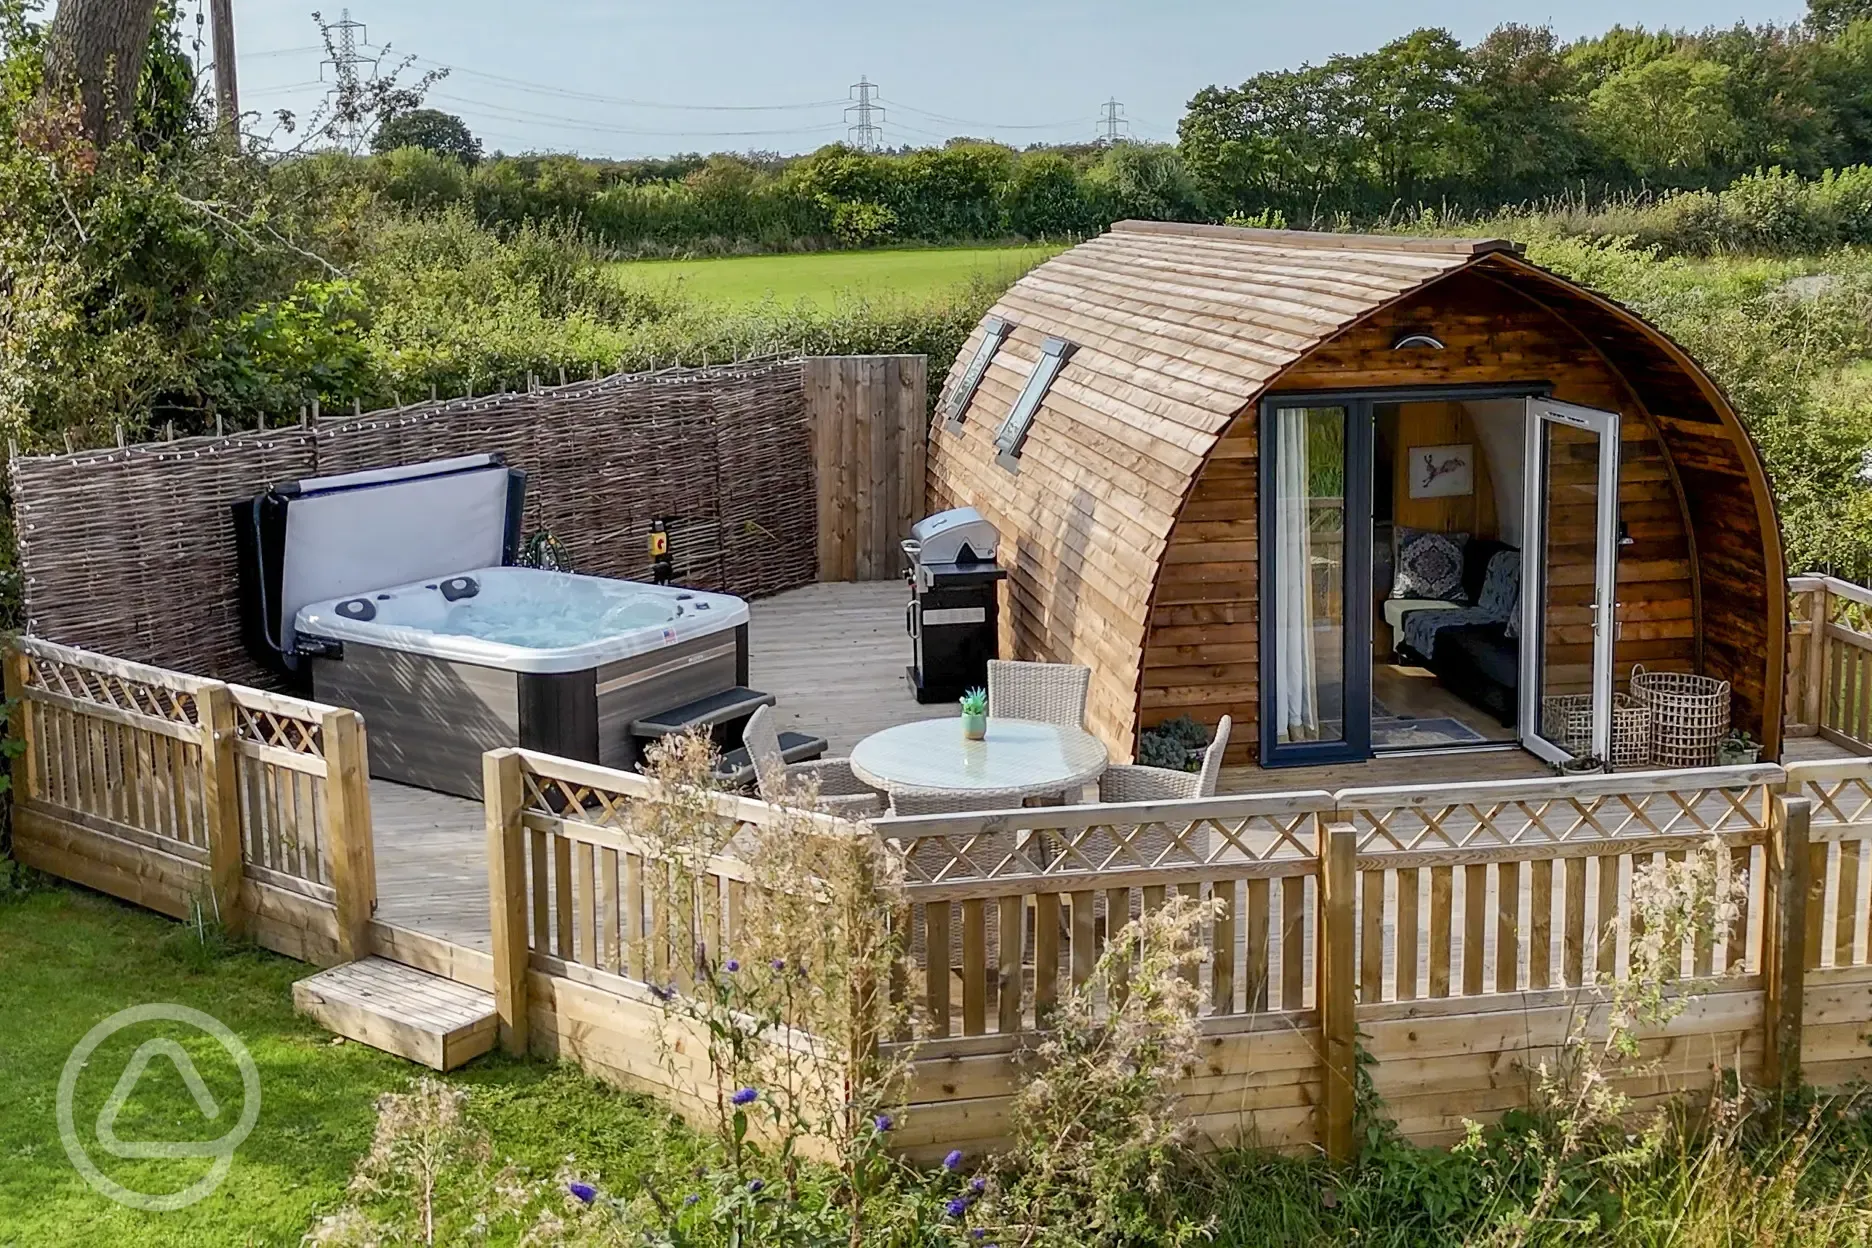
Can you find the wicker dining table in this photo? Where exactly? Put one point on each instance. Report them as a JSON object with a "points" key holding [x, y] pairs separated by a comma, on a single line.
{"points": [[1017, 759]]}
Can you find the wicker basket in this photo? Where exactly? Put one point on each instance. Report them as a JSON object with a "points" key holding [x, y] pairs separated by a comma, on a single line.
{"points": [[1566, 720], [1689, 715]]}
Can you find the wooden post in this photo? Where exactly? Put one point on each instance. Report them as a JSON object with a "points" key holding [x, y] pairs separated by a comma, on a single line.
{"points": [[1337, 989], [1813, 691], [1784, 940], [25, 766], [502, 794], [220, 739], [348, 824]]}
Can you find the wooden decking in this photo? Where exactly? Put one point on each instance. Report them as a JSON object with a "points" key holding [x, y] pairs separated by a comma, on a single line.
{"points": [[834, 655]]}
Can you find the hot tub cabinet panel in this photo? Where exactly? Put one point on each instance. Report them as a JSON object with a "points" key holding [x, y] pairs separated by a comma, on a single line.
{"points": [[447, 669], [430, 719]]}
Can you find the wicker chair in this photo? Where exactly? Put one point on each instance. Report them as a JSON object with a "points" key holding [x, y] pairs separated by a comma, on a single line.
{"points": [[839, 791], [911, 802], [1129, 782], [1053, 693]]}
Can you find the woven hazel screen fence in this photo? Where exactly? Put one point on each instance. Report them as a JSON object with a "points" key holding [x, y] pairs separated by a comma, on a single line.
{"points": [[130, 551]]}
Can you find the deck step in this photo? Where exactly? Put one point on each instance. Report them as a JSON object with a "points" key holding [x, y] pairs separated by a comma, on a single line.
{"points": [[400, 1010]]}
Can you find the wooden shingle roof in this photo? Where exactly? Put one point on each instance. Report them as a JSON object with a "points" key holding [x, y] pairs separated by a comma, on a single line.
{"points": [[1178, 328]]}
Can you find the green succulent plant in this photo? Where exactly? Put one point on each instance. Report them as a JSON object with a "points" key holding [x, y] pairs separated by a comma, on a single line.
{"points": [[975, 702]]}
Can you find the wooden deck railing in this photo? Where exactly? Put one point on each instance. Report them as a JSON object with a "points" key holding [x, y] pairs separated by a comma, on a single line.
{"points": [[175, 791], [1458, 934], [1829, 685], [1450, 927]]}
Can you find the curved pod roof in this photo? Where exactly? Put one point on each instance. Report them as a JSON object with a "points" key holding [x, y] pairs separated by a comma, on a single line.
{"points": [[1181, 329]]}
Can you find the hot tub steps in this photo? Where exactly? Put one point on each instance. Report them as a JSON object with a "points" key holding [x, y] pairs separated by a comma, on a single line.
{"points": [[722, 714], [400, 1010]]}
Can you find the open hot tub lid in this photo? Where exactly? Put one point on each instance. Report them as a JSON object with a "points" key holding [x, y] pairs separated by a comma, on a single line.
{"points": [[320, 538]]}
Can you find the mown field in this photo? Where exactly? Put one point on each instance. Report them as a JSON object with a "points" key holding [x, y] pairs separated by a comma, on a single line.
{"points": [[823, 277]]}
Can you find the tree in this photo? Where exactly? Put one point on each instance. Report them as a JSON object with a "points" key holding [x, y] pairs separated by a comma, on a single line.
{"points": [[1523, 113], [1669, 120], [95, 51], [431, 129], [1406, 94], [1831, 17]]}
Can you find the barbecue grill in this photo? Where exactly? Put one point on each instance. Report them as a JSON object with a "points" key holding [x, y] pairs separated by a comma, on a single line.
{"points": [[954, 612]]}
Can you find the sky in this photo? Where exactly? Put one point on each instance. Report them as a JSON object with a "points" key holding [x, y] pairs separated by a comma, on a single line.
{"points": [[628, 78]]}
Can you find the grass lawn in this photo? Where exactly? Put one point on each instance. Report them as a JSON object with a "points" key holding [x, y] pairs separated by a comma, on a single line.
{"points": [[69, 959], [821, 277]]}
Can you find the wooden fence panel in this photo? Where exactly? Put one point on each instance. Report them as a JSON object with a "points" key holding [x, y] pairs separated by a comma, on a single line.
{"points": [[869, 420]]}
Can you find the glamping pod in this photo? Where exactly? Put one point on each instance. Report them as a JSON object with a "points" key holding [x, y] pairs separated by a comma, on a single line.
{"points": [[1366, 494]]}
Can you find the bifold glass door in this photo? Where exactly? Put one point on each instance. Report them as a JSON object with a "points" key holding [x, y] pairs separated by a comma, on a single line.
{"points": [[1315, 634], [1569, 580]]}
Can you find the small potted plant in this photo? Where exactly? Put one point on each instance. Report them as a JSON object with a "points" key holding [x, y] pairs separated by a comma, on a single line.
{"points": [[1582, 765], [975, 714], [1738, 748]]}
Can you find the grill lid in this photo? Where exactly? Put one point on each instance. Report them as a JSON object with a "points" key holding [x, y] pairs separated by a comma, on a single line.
{"points": [[959, 535]]}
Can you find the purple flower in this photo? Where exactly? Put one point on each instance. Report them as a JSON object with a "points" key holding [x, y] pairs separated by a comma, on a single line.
{"points": [[691, 1199], [978, 1233], [779, 964], [954, 1160], [585, 1192], [746, 1096], [978, 1185], [755, 1185], [957, 1207], [883, 1122], [732, 965]]}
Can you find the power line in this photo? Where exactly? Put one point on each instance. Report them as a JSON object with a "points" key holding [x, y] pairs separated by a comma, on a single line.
{"points": [[521, 114], [865, 133], [986, 125], [1113, 128], [535, 88]]}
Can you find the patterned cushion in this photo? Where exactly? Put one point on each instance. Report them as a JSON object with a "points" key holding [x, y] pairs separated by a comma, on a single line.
{"points": [[1501, 604], [1429, 565]]}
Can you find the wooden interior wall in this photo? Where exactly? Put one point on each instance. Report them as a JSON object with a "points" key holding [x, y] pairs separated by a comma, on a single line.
{"points": [[1201, 655], [868, 417], [1440, 424]]}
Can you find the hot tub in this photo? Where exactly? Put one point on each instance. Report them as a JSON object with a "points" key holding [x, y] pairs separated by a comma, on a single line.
{"points": [[447, 668]]}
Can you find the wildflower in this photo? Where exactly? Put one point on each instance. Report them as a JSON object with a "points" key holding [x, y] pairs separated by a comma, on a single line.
{"points": [[957, 1207], [953, 1161], [779, 964], [978, 1185], [732, 965], [755, 1185], [691, 1199], [883, 1122], [746, 1096], [978, 1233], [585, 1192]]}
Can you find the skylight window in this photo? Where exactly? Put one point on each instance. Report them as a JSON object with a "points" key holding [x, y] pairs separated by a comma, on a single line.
{"points": [[994, 332], [1013, 431]]}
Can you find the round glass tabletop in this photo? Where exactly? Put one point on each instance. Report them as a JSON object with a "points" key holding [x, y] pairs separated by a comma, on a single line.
{"points": [[1018, 758]]}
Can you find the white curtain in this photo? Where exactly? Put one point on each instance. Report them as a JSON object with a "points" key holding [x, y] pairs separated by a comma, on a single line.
{"points": [[1297, 676]]}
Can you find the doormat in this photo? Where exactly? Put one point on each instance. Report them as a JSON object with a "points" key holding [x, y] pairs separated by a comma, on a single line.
{"points": [[1404, 731]]}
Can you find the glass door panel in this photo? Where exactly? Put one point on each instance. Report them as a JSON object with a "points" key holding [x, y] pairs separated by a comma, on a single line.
{"points": [[1315, 515], [1569, 574]]}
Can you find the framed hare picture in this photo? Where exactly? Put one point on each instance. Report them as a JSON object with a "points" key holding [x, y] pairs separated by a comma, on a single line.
{"points": [[1442, 471]]}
